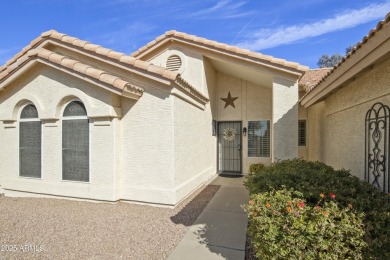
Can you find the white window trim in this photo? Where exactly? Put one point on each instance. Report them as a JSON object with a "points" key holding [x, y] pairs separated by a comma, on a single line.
{"points": [[270, 139], [29, 120], [75, 118]]}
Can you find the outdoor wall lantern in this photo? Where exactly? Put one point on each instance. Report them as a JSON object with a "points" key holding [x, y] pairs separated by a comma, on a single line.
{"points": [[244, 131]]}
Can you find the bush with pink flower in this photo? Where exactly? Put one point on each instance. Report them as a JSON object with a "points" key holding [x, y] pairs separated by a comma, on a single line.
{"points": [[283, 226], [321, 186]]}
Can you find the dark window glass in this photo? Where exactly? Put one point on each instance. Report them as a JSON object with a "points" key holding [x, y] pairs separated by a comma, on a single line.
{"points": [[75, 143], [75, 108], [302, 132], [259, 142], [30, 143], [29, 111]]}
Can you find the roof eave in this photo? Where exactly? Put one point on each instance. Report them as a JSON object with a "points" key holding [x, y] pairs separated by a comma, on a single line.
{"points": [[362, 59], [30, 59], [243, 54]]}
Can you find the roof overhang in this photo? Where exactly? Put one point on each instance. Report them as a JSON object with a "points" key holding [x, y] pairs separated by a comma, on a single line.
{"points": [[373, 49], [223, 52], [73, 67], [39, 50]]}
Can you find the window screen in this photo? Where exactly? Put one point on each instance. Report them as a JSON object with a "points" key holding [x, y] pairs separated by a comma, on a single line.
{"points": [[30, 143], [75, 143], [259, 144], [302, 132]]}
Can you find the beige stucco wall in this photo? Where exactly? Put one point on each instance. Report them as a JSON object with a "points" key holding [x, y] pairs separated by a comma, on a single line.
{"points": [[254, 103], [337, 125], [195, 146], [284, 119], [147, 153], [50, 90], [275, 99], [192, 69]]}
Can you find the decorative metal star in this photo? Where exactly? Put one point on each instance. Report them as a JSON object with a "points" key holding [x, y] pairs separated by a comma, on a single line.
{"points": [[229, 101]]}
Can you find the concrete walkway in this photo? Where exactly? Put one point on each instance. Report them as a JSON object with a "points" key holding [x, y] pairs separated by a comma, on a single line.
{"points": [[220, 230]]}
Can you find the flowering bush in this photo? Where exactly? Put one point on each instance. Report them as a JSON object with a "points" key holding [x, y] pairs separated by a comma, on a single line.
{"points": [[283, 226], [318, 182]]}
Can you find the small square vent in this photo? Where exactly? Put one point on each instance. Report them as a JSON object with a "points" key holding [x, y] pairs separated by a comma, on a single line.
{"points": [[173, 63]]}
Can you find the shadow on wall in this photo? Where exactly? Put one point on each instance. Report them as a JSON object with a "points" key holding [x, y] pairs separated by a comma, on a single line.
{"points": [[154, 92], [285, 135]]}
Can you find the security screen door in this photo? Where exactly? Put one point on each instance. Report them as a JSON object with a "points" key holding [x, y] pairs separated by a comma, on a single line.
{"points": [[229, 147]]}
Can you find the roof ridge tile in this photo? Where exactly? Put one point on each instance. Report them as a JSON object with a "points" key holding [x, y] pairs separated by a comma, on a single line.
{"points": [[48, 33], [56, 58], [171, 32], [68, 63], [80, 43], [156, 69], [95, 73], [82, 68], [222, 46], [356, 47], [107, 78], [57, 35], [91, 47], [142, 64], [128, 59], [69, 39], [170, 74], [103, 51], [76, 66], [115, 55]]}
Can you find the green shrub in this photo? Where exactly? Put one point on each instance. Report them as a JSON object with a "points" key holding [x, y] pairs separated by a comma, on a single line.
{"points": [[283, 226], [256, 168], [313, 178]]}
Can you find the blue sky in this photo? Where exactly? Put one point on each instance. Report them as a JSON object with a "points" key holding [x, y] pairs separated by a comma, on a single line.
{"points": [[299, 31]]}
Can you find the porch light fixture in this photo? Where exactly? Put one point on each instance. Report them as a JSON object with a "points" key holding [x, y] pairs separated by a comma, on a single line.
{"points": [[244, 131]]}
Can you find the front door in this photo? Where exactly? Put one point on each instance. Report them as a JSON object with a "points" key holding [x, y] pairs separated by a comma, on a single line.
{"points": [[229, 147]]}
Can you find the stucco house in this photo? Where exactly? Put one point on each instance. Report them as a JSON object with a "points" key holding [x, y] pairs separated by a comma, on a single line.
{"points": [[82, 121], [347, 110]]}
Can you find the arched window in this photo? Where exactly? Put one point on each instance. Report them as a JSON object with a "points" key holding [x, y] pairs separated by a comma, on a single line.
{"points": [[75, 143], [30, 143]]}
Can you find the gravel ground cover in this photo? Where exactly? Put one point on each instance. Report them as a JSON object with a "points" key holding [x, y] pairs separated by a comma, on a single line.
{"points": [[36, 228]]}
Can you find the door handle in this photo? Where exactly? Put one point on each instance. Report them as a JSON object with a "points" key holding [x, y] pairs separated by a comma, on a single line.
{"points": [[239, 147]]}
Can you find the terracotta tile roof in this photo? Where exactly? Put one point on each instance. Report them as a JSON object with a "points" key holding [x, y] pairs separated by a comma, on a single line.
{"points": [[174, 35], [110, 55], [355, 49], [75, 66], [311, 78]]}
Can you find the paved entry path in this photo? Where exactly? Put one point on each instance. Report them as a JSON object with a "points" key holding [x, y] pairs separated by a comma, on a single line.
{"points": [[220, 230]]}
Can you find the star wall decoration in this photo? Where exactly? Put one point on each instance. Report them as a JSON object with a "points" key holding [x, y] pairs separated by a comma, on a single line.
{"points": [[229, 101]]}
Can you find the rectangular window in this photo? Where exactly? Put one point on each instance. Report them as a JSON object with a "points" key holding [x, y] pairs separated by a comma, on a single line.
{"points": [[75, 150], [30, 149], [302, 133], [259, 143]]}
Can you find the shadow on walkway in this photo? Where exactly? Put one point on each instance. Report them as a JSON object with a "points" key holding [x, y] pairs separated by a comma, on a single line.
{"points": [[220, 230], [189, 213]]}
